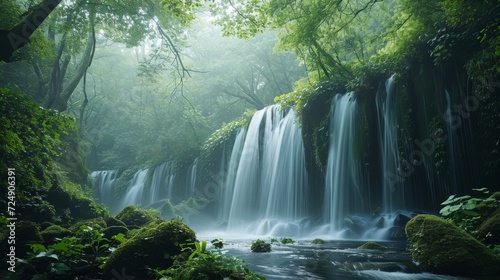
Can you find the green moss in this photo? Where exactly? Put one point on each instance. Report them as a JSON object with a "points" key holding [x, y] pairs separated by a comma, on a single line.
{"points": [[260, 246], [152, 247], [132, 216], [226, 131], [489, 230], [55, 231], [96, 223], [114, 230], [45, 212], [441, 247], [318, 241], [372, 246], [112, 221]]}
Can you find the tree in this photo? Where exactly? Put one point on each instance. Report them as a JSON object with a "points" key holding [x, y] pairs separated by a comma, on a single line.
{"points": [[18, 36], [72, 28], [326, 35]]}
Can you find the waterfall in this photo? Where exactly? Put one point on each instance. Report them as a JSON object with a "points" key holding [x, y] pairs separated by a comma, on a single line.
{"points": [[161, 183], [226, 195], [270, 181], [450, 132], [387, 124], [135, 189], [105, 183], [344, 183], [191, 178]]}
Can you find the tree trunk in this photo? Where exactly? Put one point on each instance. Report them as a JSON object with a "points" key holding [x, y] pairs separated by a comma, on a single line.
{"points": [[15, 38]]}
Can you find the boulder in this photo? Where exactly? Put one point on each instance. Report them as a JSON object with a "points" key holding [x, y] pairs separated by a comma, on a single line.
{"points": [[401, 220], [489, 230], [372, 246], [55, 231], [111, 231], [396, 234], [133, 216], [441, 247], [96, 223], [356, 224], [152, 247]]}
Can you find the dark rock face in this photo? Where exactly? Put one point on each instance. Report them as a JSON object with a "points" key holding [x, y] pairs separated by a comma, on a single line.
{"points": [[401, 220], [441, 247]]}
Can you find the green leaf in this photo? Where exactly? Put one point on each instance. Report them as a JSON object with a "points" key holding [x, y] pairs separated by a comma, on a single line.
{"points": [[449, 200], [483, 190], [471, 213], [120, 237], [36, 248], [47, 254]]}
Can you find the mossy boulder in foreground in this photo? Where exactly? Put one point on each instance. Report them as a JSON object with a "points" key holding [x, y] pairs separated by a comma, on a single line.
{"points": [[153, 247], [440, 247]]}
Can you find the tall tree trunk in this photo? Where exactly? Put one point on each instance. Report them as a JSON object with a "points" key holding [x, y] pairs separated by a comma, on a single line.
{"points": [[61, 99]]}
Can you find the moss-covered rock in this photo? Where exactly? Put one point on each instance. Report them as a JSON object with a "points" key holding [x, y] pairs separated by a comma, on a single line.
{"points": [[152, 247], [441, 247], [114, 222], [83, 208], [114, 230], [132, 216], [489, 230], [55, 231], [260, 246], [96, 223], [372, 246], [318, 241]]}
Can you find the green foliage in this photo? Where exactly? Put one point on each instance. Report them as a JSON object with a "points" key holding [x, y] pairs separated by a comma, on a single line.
{"points": [[152, 247], [282, 240], [227, 130], [260, 246], [204, 264], [64, 258], [462, 210], [31, 140], [318, 241]]}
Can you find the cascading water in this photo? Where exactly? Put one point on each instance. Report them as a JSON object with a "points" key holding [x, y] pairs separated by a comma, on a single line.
{"points": [[226, 195], [135, 189], [388, 142], [191, 178], [269, 190], [162, 183], [105, 182], [344, 178]]}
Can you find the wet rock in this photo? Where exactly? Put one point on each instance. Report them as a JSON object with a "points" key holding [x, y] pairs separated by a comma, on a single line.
{"points": [[401, 220], [380, 223], [357, 225], [441, 247], [372, 246], [396, 234]]}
